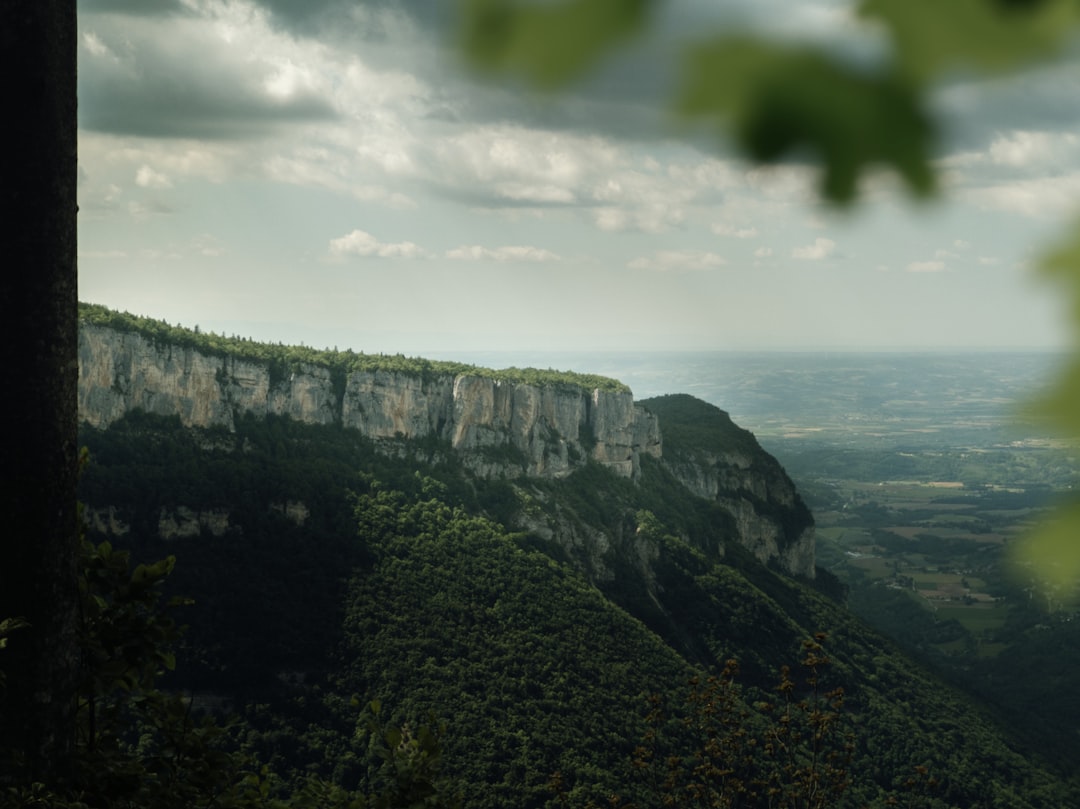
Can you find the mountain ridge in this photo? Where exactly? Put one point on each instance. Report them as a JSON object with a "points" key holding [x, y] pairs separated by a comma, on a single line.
{"points": [[509, 424]]}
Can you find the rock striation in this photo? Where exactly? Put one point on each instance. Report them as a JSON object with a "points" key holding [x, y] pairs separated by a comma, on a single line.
{"points": [[716, 459], [501, 428]]}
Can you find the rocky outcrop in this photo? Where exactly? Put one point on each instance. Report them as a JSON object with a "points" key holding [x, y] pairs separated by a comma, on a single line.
{"points": [[718, 460], [501, 428]]}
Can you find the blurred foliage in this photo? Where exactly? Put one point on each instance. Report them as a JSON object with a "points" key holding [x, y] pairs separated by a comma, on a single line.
{"points": [[551, 42], [1054, 547], [989, 35], [794, 101], [849, 120]]}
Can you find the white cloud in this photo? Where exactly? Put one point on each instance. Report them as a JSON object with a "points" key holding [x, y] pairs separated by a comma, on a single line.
{"points": [[314, 167], [1025, 149], [677, 260], [110, 254], [1037, 197], [763, 252], [620, 187], [362, 243], [143, 210], [820, 249], [508, 253], [94, 44], [724, 229], [961, 244], [926, 266], [146, 177], [207, 245], [611, 219], [519, 165]]}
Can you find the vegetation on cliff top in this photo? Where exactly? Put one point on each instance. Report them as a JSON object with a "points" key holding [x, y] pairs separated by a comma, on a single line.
{"points": [[283, 360]]}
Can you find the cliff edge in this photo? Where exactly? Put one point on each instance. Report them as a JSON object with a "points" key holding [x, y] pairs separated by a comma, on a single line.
{"points": [[501, 425], [514, 423]]}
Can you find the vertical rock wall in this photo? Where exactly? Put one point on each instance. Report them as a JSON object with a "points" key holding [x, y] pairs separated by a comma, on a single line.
{"points": [[502, 428]]}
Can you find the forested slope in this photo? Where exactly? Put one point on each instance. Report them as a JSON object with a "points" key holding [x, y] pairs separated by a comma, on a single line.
{"points": [[399, 581]]}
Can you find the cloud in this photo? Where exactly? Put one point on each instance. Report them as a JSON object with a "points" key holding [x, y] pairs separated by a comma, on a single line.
{"points": [[508, 253], [622, 187], [104, 254], [138, 75], [362, 243], [820, 249], [724, 229], [157, 8], [1037, 197], [926, 266], [677, 260], [1028, 149], [146, 177], [763, 252], [146, 209], [518, 165]]}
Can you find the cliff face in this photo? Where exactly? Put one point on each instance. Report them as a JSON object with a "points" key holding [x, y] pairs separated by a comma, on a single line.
{"points": [[500, 428], [718, 460], [764, 503]]}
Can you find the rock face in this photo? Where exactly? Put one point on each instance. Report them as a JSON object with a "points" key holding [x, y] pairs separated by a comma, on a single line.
{"points": [[501, 428], [717, 460], [765, 505]]}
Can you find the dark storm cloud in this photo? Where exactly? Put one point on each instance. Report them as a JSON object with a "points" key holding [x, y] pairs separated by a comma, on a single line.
{"points": [[154, 80], [187, 109], [141, 8], [338, 18]]}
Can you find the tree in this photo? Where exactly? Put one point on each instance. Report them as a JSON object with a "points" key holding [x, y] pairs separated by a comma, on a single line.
{"points": [[39, 345]]}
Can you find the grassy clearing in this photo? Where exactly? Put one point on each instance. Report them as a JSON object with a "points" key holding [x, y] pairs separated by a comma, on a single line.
{"points": [[977, 618]]}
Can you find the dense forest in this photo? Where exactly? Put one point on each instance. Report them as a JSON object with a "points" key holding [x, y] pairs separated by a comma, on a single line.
{"points": [[413, 586]]}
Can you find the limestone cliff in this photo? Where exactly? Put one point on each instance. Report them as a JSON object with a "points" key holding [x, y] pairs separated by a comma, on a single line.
{"points": [[718, 460], [502, 424], [501, 427]]}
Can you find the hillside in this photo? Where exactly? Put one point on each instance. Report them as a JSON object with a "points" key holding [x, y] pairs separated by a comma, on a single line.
{"points": [[533, 614]]}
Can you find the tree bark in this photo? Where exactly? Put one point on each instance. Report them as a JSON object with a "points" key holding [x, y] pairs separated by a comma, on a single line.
{"points": [[39, 350]]}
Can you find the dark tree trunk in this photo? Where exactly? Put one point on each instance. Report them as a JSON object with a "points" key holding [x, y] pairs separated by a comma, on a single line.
{"points": [[39, 350]]}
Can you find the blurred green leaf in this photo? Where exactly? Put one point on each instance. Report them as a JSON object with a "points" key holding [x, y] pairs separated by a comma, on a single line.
{"points": [[1053, 547], [786, 102], [931, 35], [1061, 406], [548, 43]]}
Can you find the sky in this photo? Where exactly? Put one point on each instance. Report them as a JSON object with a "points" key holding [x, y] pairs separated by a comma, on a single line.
{"points": [[326, 172]]}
